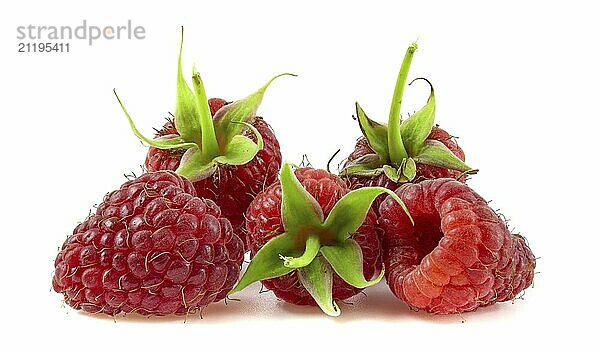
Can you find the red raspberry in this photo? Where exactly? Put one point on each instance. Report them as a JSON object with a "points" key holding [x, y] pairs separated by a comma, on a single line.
{"points": [[458, 256], [263, 222], [158, 159], [403, 151], [151, 247], [228, 152], [231, 187], [424, 171]]}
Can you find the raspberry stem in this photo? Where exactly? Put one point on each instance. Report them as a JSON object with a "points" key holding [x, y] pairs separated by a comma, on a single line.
{"points": [[395, 144]]}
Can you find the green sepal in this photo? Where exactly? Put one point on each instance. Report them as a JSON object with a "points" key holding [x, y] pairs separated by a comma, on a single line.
{"points": [[417, 127], [409, 169], [391, 173], [239, 111], [317, 278], [405, 173], [367, 165], [168, 143], [346, 260], [255, 132], [239, 151], [162, 143], [187, 110], [310, 252], [437, 154], [375, 133], [300, 212], [193, 166], [350, 211], [267, 263]]}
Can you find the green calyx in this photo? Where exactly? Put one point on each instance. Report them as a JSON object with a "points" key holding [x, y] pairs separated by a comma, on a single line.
{"points": [[208, 141], [314, 245], [399, 145]]}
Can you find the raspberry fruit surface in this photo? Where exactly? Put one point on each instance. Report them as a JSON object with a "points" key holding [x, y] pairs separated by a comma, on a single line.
{"points": [[152, 247], [458, 256], [264, 222]]}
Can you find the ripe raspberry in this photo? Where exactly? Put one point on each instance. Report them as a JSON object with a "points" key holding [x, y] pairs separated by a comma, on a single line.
{"points": [[231, 187], [228, 152], [403, 151], [151, 247], [158, 159], [458, 256], [264, 222], [424, 171]]}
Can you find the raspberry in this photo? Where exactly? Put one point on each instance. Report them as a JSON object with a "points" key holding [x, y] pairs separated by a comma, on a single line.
{"points": [[224, 148], [231, 187], [151, 247], [264, 222], [158, 159], [403, 151], [424, 171], [458, 256]]}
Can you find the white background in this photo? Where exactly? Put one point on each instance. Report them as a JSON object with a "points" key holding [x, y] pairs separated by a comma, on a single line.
{"points": [[517, 82]]}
